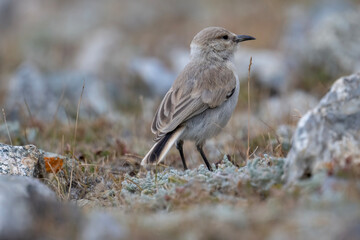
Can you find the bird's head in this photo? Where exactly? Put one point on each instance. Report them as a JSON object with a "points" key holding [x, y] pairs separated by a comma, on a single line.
{"points": [[216, 42]]}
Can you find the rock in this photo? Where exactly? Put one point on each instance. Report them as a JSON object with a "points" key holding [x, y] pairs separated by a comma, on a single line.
{"points": [[21, 160], [339, 52], [179, 57], [330, 133], [12, 126], [30, 161], [153, 73], [17, 193], [278, 109], [22, 186], [7, 8], [352, 232], [54, 95], [30, 210], [324, 35], [269, 68], [94, 101], [27, 86], [54, 162], [284, 135], [96, 49], [100, 225], [17, 133]]}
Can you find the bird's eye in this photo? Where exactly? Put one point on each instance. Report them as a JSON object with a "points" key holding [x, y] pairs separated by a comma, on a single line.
{"points": [[226, 37]]}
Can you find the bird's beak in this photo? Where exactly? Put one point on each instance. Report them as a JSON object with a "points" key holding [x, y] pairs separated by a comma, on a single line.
{"points": [[242, 38]]}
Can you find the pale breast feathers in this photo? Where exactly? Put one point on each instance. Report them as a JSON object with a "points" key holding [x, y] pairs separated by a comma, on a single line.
{"points": [[196, 89]]}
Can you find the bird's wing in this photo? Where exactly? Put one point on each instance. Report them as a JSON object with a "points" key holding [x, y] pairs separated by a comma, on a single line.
{"points": [[196, 89]]}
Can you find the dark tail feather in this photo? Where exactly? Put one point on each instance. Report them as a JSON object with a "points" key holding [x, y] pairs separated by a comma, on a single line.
{"points": [[161, 148], [156, 152]]}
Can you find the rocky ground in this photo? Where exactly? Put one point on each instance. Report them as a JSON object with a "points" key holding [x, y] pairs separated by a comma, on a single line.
{"points": [[77, 100], [312, 193]]}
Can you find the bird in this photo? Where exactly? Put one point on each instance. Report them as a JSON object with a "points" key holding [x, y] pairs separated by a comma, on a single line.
{"points": [[202, 98]]}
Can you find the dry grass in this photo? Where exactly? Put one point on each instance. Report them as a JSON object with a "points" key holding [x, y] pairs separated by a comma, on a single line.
{"points": [[7, 128], [249, 112]]}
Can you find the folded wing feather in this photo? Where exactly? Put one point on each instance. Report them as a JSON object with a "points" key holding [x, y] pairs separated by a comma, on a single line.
{"points": [[196, 89]]}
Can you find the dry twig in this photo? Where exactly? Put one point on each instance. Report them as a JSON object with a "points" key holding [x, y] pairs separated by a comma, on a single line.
{"points": [[249, 112]]}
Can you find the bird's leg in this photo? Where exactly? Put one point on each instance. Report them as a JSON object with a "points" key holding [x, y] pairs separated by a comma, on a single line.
{"points": [[179, 146], [200, 149]]}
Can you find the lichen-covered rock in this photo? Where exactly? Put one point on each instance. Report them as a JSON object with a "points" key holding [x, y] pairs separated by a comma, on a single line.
{"points": [[330, 133], [54, 162], [21, 160], [30, 161]]}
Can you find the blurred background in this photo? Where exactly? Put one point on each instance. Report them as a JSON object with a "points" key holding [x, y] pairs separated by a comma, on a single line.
{"points": [[119, 57]]}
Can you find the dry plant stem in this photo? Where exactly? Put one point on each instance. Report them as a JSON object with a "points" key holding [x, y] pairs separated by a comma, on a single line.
{"points": [[60, 191], [58, 106], [253, 153], [62, 144], [156, 171], [71, 176], [53, 123], [73, 151], [271, 129], [249, 112], [28, 109], [25, 135], [114, 180], [269, 144], [161, 165], [7, 128], [128, 179], [77, 116]]}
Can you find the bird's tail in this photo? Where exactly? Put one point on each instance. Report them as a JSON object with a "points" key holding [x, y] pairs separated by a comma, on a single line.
{"points": [[162, 147]]}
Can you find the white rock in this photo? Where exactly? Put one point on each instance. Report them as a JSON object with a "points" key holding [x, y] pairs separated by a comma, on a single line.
{"points": [[269, 67], [102, 226], [324, 34], [17, 196], [56, 94], [153, 73], [330, 133], [277, 109], [96, 49]]}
